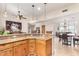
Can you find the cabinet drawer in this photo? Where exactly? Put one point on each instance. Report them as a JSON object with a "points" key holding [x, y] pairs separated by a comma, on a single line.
{"points": [[41, 42], [5, 46], [8, 45], [7, 52], [19, 42], [32, 41], [31, 45]]}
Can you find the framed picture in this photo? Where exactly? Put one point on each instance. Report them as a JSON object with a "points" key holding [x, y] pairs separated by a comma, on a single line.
{"points": [[13, 26]]}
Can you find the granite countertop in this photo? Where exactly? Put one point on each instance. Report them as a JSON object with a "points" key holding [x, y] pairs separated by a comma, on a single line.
{"points": [[6, 40]]}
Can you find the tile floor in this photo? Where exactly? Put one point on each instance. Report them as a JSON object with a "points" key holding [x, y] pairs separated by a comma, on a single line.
{"points": [[63, 50]]}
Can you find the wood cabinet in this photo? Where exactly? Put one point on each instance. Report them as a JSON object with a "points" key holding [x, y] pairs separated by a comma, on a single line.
{"points": [[20, 48], [49, 47], [17, 50], [32, 47], [7, 50], [40, 48], [44, 47], [2, 53], [27, 47]]}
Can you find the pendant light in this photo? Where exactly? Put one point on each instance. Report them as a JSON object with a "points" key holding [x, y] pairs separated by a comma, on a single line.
{"points": [[5, 11], [33, 14], [45, 17], [45, 14], [18, 11], [65, 26]]}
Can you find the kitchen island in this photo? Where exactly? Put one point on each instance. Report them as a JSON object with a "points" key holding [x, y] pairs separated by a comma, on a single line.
{"points": [[26, 45]]}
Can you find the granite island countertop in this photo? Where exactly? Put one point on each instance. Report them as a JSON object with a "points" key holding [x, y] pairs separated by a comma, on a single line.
{"points": [[11, 39]]}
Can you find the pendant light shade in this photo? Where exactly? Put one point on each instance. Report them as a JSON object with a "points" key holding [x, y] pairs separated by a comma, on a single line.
{"points": [[45, 14], [33, 15], [33, 6], [5, 11]]}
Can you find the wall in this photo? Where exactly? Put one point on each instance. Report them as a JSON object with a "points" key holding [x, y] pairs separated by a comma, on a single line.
{"points": [[56, 17], [10, 18]]}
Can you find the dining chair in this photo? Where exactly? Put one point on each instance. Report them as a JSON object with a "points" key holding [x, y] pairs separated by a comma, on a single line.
{"points": [[76, 40], [65, 40]]}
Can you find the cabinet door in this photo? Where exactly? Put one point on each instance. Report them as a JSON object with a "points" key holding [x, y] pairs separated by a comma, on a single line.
{"points": [[23, 49], [7, 52], [41, 47], [2, 53], [20, 50], [17, 50], [32, 47], [49, 47], [26, 48], [6, 49]]}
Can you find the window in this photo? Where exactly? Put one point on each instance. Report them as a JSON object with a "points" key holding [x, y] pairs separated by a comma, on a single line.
{"points": [[67, 28]]}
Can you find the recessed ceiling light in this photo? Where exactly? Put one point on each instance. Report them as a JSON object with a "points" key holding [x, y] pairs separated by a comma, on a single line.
{"points": [[39, 8]]}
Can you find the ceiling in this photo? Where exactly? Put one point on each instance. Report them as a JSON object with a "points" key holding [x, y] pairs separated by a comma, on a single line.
{"points": [[27, 10]]}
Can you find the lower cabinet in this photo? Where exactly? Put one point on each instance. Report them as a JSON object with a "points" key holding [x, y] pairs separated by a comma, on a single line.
{"points": [[41, 48], [20, 49], [44, 47], [17, 50], [29, 47], [32, 47], [7, 52], [49, 47], [2, 53], [23, 49]]}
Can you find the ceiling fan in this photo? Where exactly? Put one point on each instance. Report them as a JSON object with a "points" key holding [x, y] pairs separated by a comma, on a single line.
{"points": [[20, 16]]}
